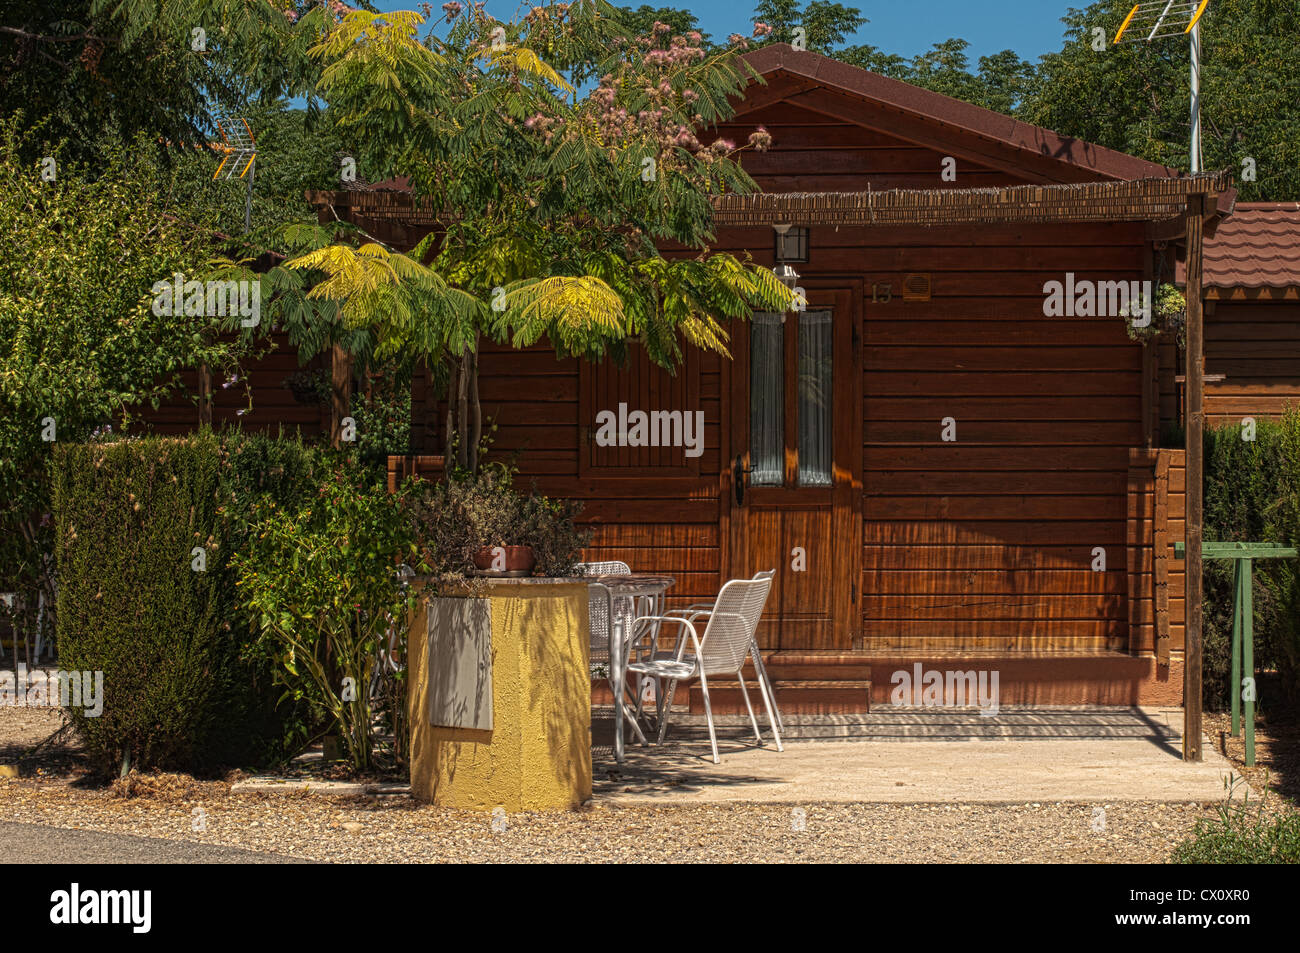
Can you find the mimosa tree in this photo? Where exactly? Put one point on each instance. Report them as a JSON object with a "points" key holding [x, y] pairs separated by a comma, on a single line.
{"points": [[550, 205]]}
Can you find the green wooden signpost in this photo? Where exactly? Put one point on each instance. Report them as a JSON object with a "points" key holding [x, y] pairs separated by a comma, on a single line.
{"points": [[1243, 621]]}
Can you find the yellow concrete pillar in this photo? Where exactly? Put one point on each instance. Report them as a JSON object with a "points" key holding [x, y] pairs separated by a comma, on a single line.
{"points": [[536, 756]]}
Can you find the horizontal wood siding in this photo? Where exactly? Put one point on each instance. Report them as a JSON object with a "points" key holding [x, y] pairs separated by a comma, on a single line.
{"points": [[1256, 346], [986, 542], [651, 517], [259, 400], [982, 544], [1176, 532], [815, 152], [1149, 552], [988, 371]]}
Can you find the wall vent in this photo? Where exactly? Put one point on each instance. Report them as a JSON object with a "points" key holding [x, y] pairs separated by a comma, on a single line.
{"points": [[916, 287]]}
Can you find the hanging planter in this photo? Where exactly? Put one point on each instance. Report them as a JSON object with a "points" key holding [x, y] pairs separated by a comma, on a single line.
{"points": [[1168, 316]]}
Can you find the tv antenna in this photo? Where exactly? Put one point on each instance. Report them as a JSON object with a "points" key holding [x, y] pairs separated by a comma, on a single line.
{"points": [[1158, 19], [239, 158]]}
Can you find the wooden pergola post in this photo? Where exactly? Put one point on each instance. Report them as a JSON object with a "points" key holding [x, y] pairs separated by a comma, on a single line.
{"points": [[1195, 432], [340, 391], [205, 395]]}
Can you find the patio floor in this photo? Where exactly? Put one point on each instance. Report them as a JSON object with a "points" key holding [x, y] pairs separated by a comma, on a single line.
{"points": [[909, 755]]}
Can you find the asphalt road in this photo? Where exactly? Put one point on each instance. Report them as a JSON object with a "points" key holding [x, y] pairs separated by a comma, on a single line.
{"points": [[37, 844]]}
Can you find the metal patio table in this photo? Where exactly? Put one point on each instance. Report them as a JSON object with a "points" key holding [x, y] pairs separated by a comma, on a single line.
{"points": [[647, 592]]}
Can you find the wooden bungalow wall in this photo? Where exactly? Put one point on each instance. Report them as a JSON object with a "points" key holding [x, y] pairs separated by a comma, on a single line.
{"points": [[816, 152], [273, 404], [985, 543], [982, 544], [662, 524], [1255, 345]]}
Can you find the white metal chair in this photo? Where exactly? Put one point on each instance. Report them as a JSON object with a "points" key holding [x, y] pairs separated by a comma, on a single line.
{"points": [[727, 639], [601, 613], [606, 614], [700, 609]]}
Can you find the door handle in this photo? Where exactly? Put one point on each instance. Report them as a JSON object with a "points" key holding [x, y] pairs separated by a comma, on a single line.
{"points": [[739, 475]]}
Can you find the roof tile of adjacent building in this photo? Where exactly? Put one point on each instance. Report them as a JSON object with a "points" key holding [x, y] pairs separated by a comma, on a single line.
{"points": [[1258, 246]]}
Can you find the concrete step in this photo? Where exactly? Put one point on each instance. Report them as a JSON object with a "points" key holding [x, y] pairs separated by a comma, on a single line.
{"points": [[816, 683], [1057, 679], [911, 724], [793, 696]]}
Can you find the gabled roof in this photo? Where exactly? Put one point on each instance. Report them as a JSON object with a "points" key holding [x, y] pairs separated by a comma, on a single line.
{"points": [[1070, 180], [855, 94], [1258, 246]]}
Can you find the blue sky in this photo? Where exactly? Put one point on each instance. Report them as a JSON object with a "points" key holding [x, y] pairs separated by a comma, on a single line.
{"points": [[905, 27]]}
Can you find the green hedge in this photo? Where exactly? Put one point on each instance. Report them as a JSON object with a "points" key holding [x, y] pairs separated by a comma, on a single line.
{"points": [[1252, 493], [184, 683], [127, 516]]}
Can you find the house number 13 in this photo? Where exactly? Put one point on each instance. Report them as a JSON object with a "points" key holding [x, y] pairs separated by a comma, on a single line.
{"points": [[881, 294]]}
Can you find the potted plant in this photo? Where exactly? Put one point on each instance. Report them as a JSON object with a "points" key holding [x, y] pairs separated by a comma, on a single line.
{"points": [[505, 558], [547, 527], [481, 525], [494, 515]]}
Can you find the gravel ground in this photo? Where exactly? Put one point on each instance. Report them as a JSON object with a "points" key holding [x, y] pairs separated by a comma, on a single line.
{"points": [[53, 792], [1277, 750], [394, 829]]}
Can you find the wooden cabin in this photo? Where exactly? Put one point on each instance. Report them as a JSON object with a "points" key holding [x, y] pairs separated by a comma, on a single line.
{"points": [[940, 472], [1251, 290]]}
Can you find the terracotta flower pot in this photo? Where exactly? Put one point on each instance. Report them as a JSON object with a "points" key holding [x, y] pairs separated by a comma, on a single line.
{"points": [[516, 558]]}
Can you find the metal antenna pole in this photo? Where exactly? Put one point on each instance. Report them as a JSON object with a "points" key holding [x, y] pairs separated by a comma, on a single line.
{"points": [[1196, 98], [1170, 18], [239, 155], [248, 196]]}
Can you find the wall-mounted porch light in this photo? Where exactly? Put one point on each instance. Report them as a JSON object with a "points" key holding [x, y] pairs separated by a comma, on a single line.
{"points": [[789, 277], [791, 245]]}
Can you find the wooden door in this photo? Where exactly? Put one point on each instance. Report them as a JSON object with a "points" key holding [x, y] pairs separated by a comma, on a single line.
{"points": [[795, 487]]}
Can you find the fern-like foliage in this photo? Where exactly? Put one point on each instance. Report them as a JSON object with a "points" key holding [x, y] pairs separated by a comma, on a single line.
{"points": [[552, 205]]}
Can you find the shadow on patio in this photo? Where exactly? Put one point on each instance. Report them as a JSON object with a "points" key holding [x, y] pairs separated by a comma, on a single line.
{"points": [[917, 755]]}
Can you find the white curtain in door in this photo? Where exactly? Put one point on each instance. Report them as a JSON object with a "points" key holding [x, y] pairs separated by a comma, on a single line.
{"points": [[766, 400], [815, 398]]}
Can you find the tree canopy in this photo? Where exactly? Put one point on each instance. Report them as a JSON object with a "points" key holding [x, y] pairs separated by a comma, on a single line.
{"points": [[552, 207], [88, 71], [1135, 97]]}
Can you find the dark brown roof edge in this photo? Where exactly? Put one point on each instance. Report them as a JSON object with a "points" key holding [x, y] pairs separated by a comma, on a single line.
{"points": [[1155, 199], [974, 119]]}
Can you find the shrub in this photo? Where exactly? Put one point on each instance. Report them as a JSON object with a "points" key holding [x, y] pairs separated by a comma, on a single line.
{"points": [[322, 581], [80, 344], [1242, 836], [383, 417], [256, 468], [132, 519], [187, 684], [549, 528], [1252, 493]]}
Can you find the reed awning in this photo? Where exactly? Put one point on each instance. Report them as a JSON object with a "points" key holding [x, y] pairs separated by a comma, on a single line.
{"points": [[1154, 200], [1161, 201]]}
